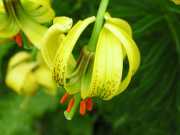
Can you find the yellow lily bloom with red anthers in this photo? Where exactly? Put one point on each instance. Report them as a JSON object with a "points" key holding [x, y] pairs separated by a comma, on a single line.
{"points": [[93, 74], [24, 75], [26, 16]]}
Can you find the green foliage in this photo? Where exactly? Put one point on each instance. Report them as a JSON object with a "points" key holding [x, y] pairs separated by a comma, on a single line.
{"points": [[150, 105]]}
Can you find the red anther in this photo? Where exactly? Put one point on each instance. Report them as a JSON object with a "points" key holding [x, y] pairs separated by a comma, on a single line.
{"points": [[70, 105], [89, 104], [64, 98], [18, 40], [82, 110]]}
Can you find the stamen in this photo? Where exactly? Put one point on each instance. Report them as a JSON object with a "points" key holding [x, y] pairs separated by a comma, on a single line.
{"points": [[70, 105], [18, 40], [77, 100], [82, 110], [89, 104], [64, 98]]}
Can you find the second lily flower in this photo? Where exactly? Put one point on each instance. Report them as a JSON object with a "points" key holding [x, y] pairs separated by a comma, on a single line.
{"points": [[25, 16]]}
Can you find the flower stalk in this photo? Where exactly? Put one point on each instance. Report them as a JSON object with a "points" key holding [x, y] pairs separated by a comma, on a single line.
{"points": [[98, 25]]}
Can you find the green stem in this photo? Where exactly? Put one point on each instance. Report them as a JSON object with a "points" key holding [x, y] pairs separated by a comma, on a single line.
{"points": [[98, 25]]}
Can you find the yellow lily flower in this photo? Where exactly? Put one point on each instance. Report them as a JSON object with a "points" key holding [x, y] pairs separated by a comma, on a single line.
{"points": [[176, 2], [27, 16], [93, 74], [114, 41], [24, 75]]}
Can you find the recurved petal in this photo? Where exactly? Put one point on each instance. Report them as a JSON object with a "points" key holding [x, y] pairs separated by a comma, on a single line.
{"points": [[18, 58], [64, 52], [120, 23], [53, 38], [63, 23], [132, 51], [108, 66]]}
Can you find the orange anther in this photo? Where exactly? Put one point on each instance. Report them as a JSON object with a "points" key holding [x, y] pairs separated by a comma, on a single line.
{"points": [[70, 105], [82, 110], [64, 98], [18, 40], [89, 104]]}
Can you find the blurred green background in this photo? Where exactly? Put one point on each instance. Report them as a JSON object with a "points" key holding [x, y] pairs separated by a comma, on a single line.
{"points": [[150, 105]]}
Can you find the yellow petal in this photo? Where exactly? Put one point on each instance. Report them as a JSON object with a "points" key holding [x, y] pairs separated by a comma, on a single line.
{"points": [[8, 27], [119, 23], [33, 30], [108, 65], [65, 50], [19, 77], [63, 23], [132, 51], [39, 10], [3, 16], [53, 38], [19, 58], [44, 78], [40, 60]]}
